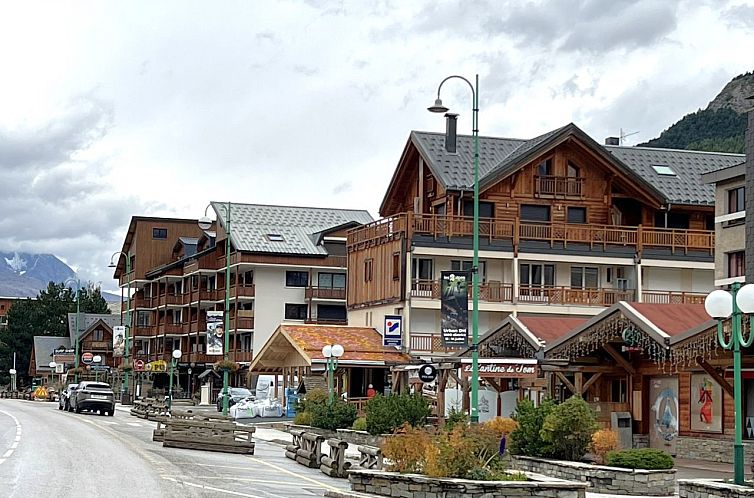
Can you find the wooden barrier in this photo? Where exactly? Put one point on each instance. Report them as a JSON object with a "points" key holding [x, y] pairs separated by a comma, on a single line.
{"points": [[306, 448], [158, 434], [335, 465], [370, 458], [208, 435]]}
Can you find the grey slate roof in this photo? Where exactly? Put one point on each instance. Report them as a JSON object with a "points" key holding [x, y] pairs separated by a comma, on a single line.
{"points": [[251, 223], [498, 157], [189, 245], [44, 346], [86, 320]]}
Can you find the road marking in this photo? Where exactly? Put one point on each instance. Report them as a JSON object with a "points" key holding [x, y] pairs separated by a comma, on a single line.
{"points": [[16, 440], [294, 474], [251, 479], [8, 453], [109, 423], [134, 424], [212, 488], [14, 445]]}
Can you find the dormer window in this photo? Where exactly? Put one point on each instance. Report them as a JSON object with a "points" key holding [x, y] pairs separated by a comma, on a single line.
{"points": [[663, 170], [275, 237]]}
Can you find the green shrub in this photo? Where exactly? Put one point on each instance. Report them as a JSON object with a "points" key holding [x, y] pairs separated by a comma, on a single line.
{"points": [[303, 418], [525, 438], [384, 414], [338, 415], [569, 428], [313, 396], [455, 418], [644, 458], [360, 424]]}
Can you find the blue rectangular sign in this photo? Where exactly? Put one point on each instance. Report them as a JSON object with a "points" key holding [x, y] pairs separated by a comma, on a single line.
{"points": [[393, 332]]}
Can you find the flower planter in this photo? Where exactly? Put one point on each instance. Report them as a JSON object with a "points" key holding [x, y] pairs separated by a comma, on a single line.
{"points": [[712, 488], [395, 484], [601, 478]]}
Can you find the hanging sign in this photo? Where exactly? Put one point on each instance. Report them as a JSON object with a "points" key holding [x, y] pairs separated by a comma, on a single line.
{"points": [[631, 338], [392, 335], [454, 308], [510, 368], [215, 332], [427, 373], [119, 340]]}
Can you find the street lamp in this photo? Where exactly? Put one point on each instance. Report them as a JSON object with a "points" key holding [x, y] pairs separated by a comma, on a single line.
{"points": [[205, 223], [125, 396], [438, 107], [76, 334], [173, 363], [52, 368], [331, 354], [720, 305]]}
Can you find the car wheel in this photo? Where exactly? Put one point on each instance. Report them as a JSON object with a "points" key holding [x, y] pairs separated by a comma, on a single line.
{"points": [[101, 413], [60, 407], [111, 412], [77, 409]]}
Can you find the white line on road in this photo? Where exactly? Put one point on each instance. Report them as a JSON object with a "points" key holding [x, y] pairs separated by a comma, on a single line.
{"points": [[8, 453], [134, 424], [212, 488], [14, 445], [16, 440]]}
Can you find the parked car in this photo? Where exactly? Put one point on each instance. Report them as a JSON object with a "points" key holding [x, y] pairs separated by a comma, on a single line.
{"points": [[236, 394], [64, 398], [93, 396]]}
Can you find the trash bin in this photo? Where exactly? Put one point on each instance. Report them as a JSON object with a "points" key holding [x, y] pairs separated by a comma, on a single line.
{"points": [[291, 399]]}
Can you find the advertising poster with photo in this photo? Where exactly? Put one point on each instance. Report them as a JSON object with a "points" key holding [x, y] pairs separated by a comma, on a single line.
{"points": [[706, 404], [455, 308], [119, 341], [215, 332]]}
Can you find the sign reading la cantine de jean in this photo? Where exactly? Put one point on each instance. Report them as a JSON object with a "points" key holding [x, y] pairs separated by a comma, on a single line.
{"points": [[508, 368], [454, 308]]}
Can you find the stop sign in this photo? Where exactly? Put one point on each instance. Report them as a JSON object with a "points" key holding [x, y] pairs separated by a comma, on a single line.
{"points": [[87, 358]]}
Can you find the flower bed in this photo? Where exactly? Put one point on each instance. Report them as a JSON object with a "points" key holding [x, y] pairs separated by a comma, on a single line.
{"points": [[395, 484], [712, 488], [603, 479]]}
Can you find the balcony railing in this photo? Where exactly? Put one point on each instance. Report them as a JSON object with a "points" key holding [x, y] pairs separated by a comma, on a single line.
{"points": [[246, 290], [568, 296], [242, 323], [238, 356], [325, 293], [143, 330], [672, 297], [172, 328], [429, 342], [558, 186], [495, 292], [448, 226], [203, 358]]}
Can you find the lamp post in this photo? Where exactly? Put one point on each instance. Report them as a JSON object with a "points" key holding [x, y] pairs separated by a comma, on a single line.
{"points": [[438, 107], [205, 223], [52, 366], [331, 354], [76, 334], [125, 396], [720, 305], [173, 363]]}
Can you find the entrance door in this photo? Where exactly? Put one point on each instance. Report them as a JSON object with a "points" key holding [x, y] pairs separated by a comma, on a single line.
{"points": [[663, 413]]}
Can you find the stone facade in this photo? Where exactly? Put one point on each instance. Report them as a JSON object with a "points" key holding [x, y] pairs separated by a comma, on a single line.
{"points": [[419, 486], [603, 479], [714, 450], [710, 488]]}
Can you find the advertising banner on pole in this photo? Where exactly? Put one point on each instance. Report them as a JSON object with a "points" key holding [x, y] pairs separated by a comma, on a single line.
{"points": [[215, 332], [119, 340], [455, 308], [392, 332]]}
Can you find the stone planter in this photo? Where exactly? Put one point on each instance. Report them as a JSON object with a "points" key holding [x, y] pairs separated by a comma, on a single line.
{"points": [[603, 479], [712, 488], [394, 484]]}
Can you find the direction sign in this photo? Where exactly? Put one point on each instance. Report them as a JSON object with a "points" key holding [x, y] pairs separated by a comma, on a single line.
{"points": [[87, 358]]}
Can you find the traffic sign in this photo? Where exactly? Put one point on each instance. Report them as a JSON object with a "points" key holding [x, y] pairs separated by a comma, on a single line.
{"points": [[427, 373], [87, 358], [139, 365]]}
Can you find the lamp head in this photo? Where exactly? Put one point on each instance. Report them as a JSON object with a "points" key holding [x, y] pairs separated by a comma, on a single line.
{"points": [[337, 350], [112, 265], [53, 364], [204, 223], [327, 351], [177, 354], [438, 107], [719, 304], [745, 298]]}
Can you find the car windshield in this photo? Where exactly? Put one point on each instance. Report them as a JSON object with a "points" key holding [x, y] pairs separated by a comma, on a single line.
{"points": [[240, 392]]}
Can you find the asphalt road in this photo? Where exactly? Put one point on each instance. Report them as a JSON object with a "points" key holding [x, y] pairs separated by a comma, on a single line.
{"points": [[46, 452]]}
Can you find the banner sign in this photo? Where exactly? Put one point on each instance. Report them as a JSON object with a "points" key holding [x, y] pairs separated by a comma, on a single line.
{"points": [[63, 355], [502, 368], [455, 308], [119, 340], [215, 332], [392, 335]]}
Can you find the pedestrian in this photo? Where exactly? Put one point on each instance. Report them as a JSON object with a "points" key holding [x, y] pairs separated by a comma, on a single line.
{"points": [[371, 392]]}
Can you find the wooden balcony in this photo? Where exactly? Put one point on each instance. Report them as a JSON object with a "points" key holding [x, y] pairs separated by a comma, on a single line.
{"points": [[429, 343], [238, 291], [239, 356], [203, 358], [243, 322], [567, 296], [672, 297], [96, 346], [143, 331], [596, 236], [558, 186], [325, 293], [172, 328], [495, 292]]}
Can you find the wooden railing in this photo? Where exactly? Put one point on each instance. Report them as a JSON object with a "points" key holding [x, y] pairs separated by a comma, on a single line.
{"points": [[495, 292], [573, 297], [242, 290], [449, 226], [559, 186], [360, 404], [324, 293], [672, 297], [241, 355], [242, 323], [143, 330]]}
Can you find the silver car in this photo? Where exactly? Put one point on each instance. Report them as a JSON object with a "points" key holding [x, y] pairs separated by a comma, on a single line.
{"points": [[93, 396], [64, 398]]}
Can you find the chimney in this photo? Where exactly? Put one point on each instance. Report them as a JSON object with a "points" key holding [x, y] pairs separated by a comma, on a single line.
{"points": [[451, 122], [612, 141], [749, 202]]}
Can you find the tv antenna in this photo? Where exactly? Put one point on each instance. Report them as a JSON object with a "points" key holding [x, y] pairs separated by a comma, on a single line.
{"points": [[624, 135]]}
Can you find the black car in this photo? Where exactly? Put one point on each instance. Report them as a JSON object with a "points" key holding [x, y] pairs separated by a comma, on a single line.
{"points": [[236, 394], [93, 396]]}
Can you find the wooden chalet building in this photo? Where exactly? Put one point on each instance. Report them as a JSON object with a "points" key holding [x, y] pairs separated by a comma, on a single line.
{"points": [[567, 226]]}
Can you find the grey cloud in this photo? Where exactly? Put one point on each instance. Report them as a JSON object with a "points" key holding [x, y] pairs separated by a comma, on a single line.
{"points": [[740, 16], [342, 187]]}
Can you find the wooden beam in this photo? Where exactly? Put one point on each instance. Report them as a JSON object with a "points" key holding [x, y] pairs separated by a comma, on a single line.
{"points": [[591, 381], [620, 360], [715, 375], [585, 369], [579, 382], [566, 382], [494, 384]]}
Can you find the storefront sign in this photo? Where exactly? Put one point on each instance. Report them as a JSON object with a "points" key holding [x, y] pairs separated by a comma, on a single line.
{"points": [[511, 369], [427, 373], [454, 308], [393, 330], [87, 358], [156, 366]]}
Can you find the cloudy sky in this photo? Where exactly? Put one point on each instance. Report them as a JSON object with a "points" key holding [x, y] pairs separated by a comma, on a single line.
{"points": [[109, 110]]}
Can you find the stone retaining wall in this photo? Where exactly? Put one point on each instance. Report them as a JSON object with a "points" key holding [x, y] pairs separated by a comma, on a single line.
{"points": [[603, 479], [714, 450], [711, 488], [415, 486]]}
